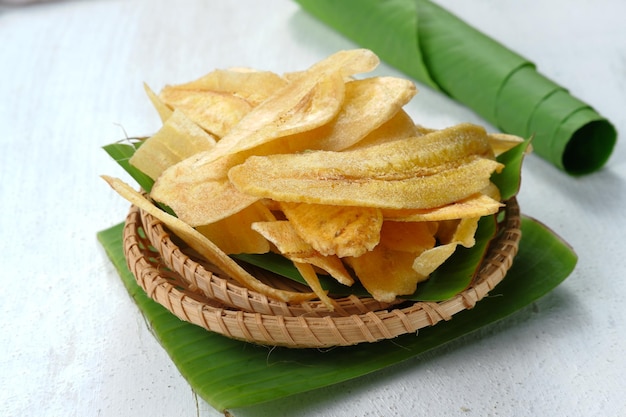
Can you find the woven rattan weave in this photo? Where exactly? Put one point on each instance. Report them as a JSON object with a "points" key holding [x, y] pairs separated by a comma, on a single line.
{"points": [[196, 292]]}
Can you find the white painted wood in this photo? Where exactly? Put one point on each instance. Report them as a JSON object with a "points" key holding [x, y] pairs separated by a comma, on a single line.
{"points": [[72, 343]]}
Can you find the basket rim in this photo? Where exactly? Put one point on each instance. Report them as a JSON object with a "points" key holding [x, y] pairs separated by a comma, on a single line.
{"points": [[286, 325]]}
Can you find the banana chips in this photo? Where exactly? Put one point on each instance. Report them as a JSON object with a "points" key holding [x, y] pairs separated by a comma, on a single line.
{"points": [[326, 169]]}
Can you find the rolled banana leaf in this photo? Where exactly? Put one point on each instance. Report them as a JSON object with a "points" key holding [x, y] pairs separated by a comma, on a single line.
{"points": [[438, 49]]}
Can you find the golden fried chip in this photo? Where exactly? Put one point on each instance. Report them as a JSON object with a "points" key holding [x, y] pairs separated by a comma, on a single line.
{"points": [[400, 126], [251, 85], [502, 142], [310, 276], [458, 231], [367, 105], [348, 62], [204, 246], [423, 130], [420, 172], [386, 273], [347, 178], [215, 112], [298, 107], [211, 178], [164, 111], [291, 245], [197, 173], [321, 167], [451, 234], [474, 206], [446, 229], [492, 191], [413, 237], [218, 169], [465, 232], [309, 100], [234, 235], [336, 230], [191, 187], [284, 237], [199, 203], [431, 259], [332, 265], [178, 139], [398, 263]]}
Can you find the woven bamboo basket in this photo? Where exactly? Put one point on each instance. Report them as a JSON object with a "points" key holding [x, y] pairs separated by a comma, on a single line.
{"points": [[196, 292]]}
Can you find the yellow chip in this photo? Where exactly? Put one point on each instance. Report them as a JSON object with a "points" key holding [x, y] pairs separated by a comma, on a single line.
{"points": [[502, 142], [452, 233], [491, 191], [349, 178], [398, 264], [215, 112], [234, 234], [308, 273], [204, 246], [298, 107], [292, 246], [386, 273], [284, 237], [251, 85], [420, 172], [164, 111], [321, 167], [199, 203], [412, 237], [336, 230], [474, 206], [178, 139], [431, 259], [400, 126], [348, 63], [465, 232], [310, 99], [215, 197], [367, 105]]}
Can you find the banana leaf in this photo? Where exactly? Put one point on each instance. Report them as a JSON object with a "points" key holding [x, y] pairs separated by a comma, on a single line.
{"points": [[441, 51], [232, 374], [121, 153]]}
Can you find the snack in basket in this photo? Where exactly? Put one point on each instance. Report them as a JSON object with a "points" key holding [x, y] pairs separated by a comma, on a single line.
{"points": [[318, 166]]}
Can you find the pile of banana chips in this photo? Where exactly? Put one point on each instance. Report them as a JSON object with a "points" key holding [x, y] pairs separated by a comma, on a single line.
{"points": [[325, 168]]}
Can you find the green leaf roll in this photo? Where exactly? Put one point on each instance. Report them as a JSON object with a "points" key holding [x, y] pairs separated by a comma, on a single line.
{"points": [[443, 52]]}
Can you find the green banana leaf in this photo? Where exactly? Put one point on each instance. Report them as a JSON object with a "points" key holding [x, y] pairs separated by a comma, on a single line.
{"points": [[232, 374], [441, 51], [121, 153]]}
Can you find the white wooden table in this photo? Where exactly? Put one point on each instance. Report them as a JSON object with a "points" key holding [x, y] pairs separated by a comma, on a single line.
{"points": [[72, 343]]}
